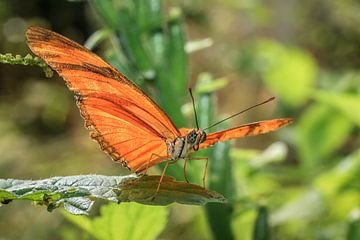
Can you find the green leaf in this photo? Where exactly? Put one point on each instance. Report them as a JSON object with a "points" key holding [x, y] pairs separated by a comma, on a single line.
{"points": [[196, 45], [276, 152], [261, 230], [353, 232], [131, 41], [172, 69], [149, 14], [120, 18], [289, 71], [96, 38], [125, 221], [77, 193], [345, 103], [177, 58], [108, 12], [309, 205], [210, 85], [221, 179], [321, 131], [343, 176]]}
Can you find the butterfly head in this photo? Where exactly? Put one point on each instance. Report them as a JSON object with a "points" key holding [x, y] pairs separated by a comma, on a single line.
{"points": [[195, 137]]}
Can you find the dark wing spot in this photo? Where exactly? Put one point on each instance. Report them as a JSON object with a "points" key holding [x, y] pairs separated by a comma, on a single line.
{"points": [[251, 129], [104, 71]]}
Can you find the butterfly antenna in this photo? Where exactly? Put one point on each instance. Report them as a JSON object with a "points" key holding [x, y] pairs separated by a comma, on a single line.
{"points": [[245, 110], [193, 103]]}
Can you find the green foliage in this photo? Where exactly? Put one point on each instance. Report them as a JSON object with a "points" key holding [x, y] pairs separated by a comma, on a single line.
{"points": [[321, 131], [326, 123], [345, 103], [124, 221], [261, 229], [289, 72], [354, 227], [77, 193]]}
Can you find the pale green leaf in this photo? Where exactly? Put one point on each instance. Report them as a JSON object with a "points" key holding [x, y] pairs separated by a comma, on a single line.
{"points": [[289, 71], [124, 221], [320, 132], [77, 193], [346, 103]]}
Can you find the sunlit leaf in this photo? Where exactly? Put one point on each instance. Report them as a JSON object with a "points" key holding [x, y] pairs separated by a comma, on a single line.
{"points": [[206, 83], [307, 206], [321, 131], [197, 45], [346, 103], [276, 152], [343, 176], [149, 14], [261, 229], [96, 38], [288, 71], [353, 231], [125, 221]]}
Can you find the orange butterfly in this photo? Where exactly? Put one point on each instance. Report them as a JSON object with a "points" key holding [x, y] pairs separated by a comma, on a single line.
{"points": [[127, 124]]}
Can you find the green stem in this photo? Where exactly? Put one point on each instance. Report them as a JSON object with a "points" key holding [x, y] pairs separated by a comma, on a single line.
{"points": [[8, 58]]}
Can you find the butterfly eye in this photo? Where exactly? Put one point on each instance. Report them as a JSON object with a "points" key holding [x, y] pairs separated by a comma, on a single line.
{"points": [[191, 137]]}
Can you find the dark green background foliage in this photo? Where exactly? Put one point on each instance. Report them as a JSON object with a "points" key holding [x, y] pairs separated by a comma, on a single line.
{"points": [[301, 182]]}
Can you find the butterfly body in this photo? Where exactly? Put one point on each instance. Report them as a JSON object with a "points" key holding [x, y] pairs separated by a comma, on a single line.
{"points": [[180, 147]]}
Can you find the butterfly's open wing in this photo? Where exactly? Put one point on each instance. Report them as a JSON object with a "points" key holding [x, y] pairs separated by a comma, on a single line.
{"points": [[127, 124], [250, 129]]}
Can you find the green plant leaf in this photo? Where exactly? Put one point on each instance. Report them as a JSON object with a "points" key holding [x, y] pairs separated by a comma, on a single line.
{"points": [[221, 179], [261, 230], [77, 193], [353, 231], [288, 71], [171, 69], [212, 85], [125, 221], [96, 38], [149, 14], [309, 205], [177, 58], [120, 18], [108, 12], [345, 103], [276, 152], [321, 131], [343, 176], [196, 45]]}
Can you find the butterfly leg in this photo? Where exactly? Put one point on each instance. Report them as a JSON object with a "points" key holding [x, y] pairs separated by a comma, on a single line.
{"points": [[205, 171], [206, 166], [162, 176], [185, 176], [148, 162]]}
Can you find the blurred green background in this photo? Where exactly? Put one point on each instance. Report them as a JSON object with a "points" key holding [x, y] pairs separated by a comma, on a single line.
{"points": [[301, 182]]}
